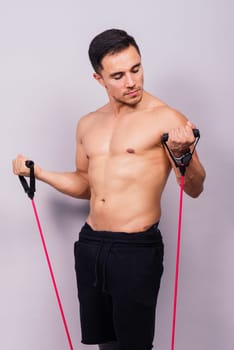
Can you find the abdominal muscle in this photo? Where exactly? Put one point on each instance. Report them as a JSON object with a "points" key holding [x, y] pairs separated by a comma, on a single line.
{"points": [[125, 197], [123, 213]]}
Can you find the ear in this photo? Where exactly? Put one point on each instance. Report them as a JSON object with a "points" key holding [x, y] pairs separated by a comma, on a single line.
{"points": [[99, 78]]}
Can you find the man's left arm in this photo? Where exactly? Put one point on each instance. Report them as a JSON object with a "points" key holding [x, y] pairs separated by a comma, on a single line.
{"points": [[180, 141]]}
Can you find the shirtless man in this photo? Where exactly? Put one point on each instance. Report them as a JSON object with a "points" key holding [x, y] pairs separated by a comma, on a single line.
{"points": [[122, 168]]}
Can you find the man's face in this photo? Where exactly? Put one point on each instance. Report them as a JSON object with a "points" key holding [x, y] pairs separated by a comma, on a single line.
{"points": [[122, 76]]}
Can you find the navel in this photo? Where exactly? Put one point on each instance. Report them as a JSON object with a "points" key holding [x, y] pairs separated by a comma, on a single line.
{"points": [[130, 150]]}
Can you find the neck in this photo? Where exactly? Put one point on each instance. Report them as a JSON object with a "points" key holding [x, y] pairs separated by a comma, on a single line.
{"points": [[119, 109]]}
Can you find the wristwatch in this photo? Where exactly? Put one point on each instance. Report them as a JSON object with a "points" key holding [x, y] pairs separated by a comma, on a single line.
{"points": [[183, 160]]}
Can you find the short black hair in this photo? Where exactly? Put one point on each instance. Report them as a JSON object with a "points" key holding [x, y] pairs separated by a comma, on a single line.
{"points": [[109, 42]]}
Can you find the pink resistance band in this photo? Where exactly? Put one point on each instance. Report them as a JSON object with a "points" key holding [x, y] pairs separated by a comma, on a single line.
{"points": [[181, 163], [177, 263], [30, 190]]}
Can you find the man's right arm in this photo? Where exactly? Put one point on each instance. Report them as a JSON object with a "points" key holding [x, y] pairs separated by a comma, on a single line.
{"points": [[74, 184]]}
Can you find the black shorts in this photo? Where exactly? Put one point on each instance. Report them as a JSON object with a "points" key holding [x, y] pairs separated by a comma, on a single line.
{"points": [[118, 279]]}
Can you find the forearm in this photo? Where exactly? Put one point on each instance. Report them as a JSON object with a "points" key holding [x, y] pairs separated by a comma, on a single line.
{"points": [[194, 177], [70, 183]]}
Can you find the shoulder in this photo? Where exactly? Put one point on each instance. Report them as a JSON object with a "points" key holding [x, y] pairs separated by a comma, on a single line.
{"points": [[83, 124], [162, 110], [170, 115], [169, 118], [162, 116], [88, 120]]}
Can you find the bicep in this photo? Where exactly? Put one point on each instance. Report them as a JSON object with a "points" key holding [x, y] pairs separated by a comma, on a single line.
{"points": [[82, 161]]}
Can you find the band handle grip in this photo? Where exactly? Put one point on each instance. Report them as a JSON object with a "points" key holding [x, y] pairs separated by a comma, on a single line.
{"points": [[196, 134], [29, 164], [31, 187]]}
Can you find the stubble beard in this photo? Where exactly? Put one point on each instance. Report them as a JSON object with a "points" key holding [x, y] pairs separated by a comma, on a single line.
{"points": [[131, 102]]}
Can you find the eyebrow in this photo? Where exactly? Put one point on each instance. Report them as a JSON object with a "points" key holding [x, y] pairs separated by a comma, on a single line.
{"points": [[112, 75]]}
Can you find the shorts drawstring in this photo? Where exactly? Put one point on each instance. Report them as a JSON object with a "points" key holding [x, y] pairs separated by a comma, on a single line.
{"points": [[104, 286], [95, 283]]}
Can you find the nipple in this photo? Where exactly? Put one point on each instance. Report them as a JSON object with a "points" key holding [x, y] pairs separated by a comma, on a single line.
{"points": [[130, 150]]}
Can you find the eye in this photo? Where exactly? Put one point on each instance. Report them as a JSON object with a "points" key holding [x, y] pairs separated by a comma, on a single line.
{"points": [[136, 69], [118, 76]]}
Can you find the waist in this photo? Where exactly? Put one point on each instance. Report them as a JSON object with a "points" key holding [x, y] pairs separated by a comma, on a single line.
{"points": [[150, 236]]}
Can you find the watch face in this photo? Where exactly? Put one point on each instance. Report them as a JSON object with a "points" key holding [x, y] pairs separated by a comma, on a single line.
{"points": [[183, 160], [186, 158]]}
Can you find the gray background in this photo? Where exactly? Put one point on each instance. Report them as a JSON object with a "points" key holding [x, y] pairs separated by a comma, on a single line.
{"points": [[46, 85]]}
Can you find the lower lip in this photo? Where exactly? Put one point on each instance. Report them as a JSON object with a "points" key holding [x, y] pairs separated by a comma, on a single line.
{"points": [[133, 93]]}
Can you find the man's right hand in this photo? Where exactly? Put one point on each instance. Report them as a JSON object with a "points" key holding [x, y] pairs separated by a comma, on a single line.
{"points": [[19, 167]]}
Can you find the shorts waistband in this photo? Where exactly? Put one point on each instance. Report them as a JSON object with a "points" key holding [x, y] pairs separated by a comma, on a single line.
{"points": [[151, 235]]}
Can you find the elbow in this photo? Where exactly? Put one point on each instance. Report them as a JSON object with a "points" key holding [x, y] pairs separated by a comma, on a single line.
{"points": [[84, 195], [195, 190], [194, 193]]}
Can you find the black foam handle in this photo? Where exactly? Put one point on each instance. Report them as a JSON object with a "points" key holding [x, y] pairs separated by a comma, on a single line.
{"points": [[29, 164], [31, 187], [196, 134]]}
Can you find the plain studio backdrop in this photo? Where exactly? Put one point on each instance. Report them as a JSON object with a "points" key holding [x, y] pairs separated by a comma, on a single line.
{"points": [[46, 85]]}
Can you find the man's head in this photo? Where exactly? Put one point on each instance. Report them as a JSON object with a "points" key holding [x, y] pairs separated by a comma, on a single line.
{"points": [[116, 59], [109, 42]]}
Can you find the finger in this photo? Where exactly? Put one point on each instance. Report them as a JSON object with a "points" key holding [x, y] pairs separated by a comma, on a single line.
{"points": [[179, 134]]}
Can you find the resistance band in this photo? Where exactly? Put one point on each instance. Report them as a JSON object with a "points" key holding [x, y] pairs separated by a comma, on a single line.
{"points": [[181, 163], [30, 190]]}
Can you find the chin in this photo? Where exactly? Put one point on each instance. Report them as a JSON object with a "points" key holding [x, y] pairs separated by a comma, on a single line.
{"points": [[135, 100]]}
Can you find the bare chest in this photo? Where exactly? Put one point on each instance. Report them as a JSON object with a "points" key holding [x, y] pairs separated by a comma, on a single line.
{"points": [[121, 138]]}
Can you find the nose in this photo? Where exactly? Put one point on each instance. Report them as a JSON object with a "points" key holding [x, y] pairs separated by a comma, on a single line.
{"points": [[130, 83]]}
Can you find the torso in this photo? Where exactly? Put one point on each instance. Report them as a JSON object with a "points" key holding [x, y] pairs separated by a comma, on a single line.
{"points": [[127, 168]]}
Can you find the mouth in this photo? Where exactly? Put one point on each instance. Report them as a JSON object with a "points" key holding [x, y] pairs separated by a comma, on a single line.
{"points": [[133, 92]]}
